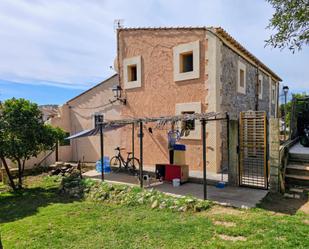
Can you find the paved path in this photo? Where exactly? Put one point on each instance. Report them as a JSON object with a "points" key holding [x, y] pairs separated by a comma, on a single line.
{"points": [[232, 196]]}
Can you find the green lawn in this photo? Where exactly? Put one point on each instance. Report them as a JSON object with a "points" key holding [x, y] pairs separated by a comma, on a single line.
{"points": [[41, 218]]}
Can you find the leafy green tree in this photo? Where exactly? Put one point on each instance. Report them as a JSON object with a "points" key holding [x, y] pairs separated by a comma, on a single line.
{"points": [[24, 133], [291, 24], [3, 150]]}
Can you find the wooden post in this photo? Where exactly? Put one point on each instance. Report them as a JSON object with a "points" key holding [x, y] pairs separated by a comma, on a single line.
{"points": [[102, 152], [204, 158], [141, 152]]}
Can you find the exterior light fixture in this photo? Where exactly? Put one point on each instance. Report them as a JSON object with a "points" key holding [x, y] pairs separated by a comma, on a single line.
{"points": [[117, 90], [285, 89]]}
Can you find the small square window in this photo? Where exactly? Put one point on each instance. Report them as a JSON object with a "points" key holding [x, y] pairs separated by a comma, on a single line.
{"points": [[242, 78], [186, 62], [132, 73], [98, 119], [188, 124]]}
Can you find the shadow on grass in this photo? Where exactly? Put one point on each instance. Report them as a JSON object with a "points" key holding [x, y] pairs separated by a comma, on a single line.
{"points": [[18, 205], [278, 203]]}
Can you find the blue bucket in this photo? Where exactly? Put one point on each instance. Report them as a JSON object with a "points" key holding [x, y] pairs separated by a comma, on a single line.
{"points": [[106, 168]]}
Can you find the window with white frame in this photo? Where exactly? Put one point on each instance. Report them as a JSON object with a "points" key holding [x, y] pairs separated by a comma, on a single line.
{"points": [[98, 119], [132, 71], [191, 126], [260, 86], [273, 92], [241, 81], [186, 60]]}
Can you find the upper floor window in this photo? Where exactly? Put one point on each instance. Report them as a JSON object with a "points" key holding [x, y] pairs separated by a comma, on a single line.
{"points": [[186, 60], [241, 82], [260, 86], [132, 71], [273, 92], [98, 119]]}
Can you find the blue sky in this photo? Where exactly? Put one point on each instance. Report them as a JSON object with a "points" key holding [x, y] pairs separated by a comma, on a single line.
{"points": [[51, 51]]}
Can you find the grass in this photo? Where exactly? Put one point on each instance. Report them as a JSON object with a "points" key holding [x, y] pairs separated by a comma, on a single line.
{"points": [[39, 217]]}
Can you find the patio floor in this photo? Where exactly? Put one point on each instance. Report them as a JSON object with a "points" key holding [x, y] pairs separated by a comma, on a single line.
{"points": [[232, 196]]}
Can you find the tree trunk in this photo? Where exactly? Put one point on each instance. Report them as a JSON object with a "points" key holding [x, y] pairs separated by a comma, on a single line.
{"points": [[7, 170], [23, 167], [20, 182]]}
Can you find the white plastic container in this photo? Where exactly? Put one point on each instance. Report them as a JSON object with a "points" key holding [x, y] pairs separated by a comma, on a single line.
{"points": [[176, 182]]}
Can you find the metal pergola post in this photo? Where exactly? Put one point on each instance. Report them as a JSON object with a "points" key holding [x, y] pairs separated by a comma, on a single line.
{"points": [[203, 121], [141, 152], [102, 152], [133, 141]]}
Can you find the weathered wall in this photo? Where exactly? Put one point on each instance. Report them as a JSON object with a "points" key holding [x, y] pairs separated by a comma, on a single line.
{"points": [[159, 93], [82, 110], [232, 101]]}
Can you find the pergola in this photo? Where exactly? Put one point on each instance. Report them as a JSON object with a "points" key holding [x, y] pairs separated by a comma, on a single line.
{"points": [[116, 124]]}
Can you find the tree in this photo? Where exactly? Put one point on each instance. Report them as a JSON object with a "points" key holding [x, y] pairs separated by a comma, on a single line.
{"points": [[291, 22], [3, 151], [24, 133]]}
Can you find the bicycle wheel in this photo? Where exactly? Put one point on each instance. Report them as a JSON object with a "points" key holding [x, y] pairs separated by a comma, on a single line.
{"points": [[115, 164], [133, 165]]}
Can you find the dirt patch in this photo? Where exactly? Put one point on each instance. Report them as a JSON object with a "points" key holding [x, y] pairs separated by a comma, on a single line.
{"points": [[224, 210], [232, 238], [279, 204], [306, 222], [225, 223]]}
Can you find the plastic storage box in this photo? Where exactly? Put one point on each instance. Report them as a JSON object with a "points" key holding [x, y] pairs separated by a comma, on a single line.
{"points": [[106, 168]]}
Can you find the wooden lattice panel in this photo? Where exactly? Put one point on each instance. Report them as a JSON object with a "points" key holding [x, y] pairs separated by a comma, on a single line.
{"points": [[253, 149]]}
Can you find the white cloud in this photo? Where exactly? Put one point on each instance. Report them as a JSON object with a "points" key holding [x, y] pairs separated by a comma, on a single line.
{"points": [[72, 43]]}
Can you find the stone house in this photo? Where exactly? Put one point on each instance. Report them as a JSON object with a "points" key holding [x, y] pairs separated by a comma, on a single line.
{"points": [[168, 71]]}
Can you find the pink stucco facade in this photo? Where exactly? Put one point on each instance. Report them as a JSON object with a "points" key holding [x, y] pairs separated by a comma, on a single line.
{"points": [[159, 93]]}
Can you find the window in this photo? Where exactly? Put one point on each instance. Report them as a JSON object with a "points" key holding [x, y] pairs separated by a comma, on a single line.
{"points": [[98, 119], [188, 124], [242, 78], [132, 71], [65, 142], [273, 92], [186, 60], [193, 125], [260, 86], [241, 85]]}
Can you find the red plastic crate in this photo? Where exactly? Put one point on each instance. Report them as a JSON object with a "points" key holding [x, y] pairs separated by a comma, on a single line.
{"points": [[172, 172]]}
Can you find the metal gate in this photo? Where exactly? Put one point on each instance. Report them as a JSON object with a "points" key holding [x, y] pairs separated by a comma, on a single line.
{"points": [[253, 149]]}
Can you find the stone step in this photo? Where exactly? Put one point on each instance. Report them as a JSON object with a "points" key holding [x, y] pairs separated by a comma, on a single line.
{"points": [[300, 180], [294, 157], [292, 195], [297, 169], [297, 192]]}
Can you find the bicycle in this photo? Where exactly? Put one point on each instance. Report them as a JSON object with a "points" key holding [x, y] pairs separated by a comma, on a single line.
{"points": [[131, 164]]}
